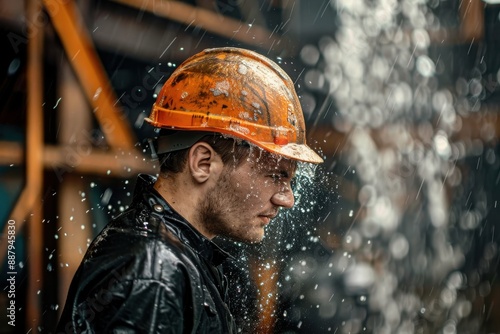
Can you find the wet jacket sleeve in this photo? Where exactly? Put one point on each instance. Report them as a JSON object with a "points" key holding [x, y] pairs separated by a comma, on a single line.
{"points": [[149, 307], [131, 306]]}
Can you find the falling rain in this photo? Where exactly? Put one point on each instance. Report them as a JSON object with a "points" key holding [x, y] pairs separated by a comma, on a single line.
{"points": [[394, 233]]}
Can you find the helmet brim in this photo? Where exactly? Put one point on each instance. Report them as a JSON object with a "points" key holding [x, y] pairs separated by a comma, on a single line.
{"points": [[294, 151], [299, 152]]}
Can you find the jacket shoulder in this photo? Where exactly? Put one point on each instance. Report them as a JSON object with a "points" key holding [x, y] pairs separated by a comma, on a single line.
{"points": [[143, 243]]}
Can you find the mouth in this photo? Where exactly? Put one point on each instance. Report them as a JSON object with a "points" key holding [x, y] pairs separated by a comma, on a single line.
{"points": [[267, 217]]}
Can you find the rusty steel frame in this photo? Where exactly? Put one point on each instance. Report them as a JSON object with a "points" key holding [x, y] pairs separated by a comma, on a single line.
{"points": [[85, 61], [117, 131], [213, 22], [94, 161], [471, 28], [34, 167]]}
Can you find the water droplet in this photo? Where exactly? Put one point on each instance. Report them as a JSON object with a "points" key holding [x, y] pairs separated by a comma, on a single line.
{"points": [[97, 93], [13, 66]]}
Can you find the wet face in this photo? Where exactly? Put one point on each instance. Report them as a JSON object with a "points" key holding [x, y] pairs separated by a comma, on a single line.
{"points": [[248, 196]]}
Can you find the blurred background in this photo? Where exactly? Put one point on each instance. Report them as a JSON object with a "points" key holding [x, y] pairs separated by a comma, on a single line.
{"points": [[394, 233]]}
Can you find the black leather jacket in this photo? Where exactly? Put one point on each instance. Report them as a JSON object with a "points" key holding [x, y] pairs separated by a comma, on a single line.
{"points": [[149, 271]]}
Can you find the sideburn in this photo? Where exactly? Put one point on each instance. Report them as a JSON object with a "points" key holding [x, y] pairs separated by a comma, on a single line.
{"points": [[213, 205]]}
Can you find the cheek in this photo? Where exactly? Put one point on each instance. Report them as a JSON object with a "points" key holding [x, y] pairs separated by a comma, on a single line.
{"points": [[252, 189], [245, 194]]}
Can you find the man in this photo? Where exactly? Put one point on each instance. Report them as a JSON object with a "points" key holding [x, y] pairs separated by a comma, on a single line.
{"points": [[232, 133]]}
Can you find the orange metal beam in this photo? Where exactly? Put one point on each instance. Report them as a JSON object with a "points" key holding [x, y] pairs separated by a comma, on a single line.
{"points": [[212, 22], [34, 168], [472, 20], [35, 265], [27, 201], [63, 159], [471, 28], [84, 60], [34, 124], [266, 278]]}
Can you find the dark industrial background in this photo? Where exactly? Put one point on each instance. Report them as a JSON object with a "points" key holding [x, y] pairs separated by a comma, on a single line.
{"points": [[79, 77]]}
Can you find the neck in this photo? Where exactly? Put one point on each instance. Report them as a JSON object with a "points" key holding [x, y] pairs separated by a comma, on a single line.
{"points": [[183, 198]]}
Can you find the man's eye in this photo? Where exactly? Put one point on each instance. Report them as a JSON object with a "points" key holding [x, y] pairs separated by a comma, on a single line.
{"points": [[278, 179], [275, 177], [281, 179]]}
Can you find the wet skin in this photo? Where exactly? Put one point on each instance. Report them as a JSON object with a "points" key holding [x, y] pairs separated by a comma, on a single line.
{"points": [[248, 196]]}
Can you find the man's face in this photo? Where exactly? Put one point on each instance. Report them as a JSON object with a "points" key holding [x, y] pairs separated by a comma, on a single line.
{"points": [[248, 196]]}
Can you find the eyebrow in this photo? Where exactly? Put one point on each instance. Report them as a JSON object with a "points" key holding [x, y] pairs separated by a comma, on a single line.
{"points": [[285, 173], [274, 165]]}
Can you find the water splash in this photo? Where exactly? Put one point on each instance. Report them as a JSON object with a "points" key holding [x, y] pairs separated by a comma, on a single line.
{"points": [[401, 265]]}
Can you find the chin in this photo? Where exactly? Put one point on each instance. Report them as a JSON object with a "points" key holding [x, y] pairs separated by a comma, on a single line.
{"points": [[254, 241], [251, 238]]}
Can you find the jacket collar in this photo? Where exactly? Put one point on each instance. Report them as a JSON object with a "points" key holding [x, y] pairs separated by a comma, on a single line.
{"points": [[145, 193]]}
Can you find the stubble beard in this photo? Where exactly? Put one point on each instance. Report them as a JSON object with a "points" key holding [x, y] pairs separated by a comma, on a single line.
{"points": [[218, 207], [211, 212]]}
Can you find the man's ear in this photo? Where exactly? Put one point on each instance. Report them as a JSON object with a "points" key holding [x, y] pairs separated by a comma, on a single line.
{"points": [[202, 160]]}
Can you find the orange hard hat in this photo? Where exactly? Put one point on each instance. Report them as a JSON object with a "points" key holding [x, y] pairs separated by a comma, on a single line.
{"points": [[239, 93]]}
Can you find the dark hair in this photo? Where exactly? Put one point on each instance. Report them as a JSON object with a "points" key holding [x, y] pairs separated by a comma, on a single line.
{"points": [[229, 149]]}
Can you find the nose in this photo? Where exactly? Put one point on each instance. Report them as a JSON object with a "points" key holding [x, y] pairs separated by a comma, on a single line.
{"points": [[284, 198]]}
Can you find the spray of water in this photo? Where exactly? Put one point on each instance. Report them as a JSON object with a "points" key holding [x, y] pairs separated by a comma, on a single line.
{"points": [[401, 266]]}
